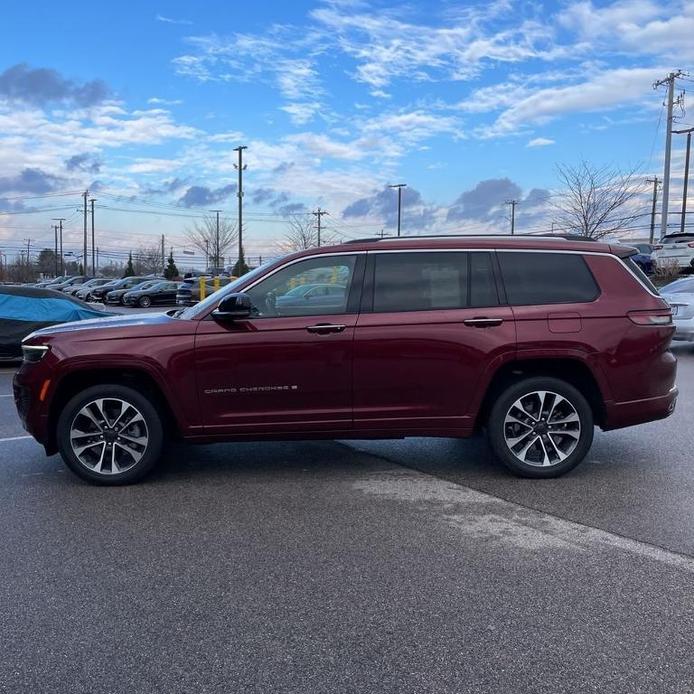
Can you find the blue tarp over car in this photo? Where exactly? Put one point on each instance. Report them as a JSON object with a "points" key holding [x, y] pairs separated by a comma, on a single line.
{"points": [[25, 309]]}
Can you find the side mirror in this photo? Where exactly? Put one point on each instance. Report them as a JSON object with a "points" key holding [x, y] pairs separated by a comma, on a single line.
{"points": [[233, 307]]}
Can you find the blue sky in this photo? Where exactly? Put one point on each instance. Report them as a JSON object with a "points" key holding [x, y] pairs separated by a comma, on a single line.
{"points": [[468, 103]]}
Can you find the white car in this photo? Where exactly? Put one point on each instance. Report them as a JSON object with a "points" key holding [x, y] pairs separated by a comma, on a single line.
{"points": [[674, 248], [680, 295]]}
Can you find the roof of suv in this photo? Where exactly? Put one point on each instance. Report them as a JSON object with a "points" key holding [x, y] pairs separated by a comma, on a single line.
{"points": [[525, 242]]}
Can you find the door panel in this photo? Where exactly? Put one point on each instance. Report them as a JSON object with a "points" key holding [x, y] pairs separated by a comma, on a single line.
{"points": [[421, 370], [259, 374], [289, 367]]}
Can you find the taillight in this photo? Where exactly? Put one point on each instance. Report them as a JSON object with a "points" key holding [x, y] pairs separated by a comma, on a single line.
{"points": [[657, 248], [656, 318], [691, 245]]}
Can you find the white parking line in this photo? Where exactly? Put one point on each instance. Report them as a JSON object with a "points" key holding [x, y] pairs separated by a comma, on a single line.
{"points": [[16, 438]]}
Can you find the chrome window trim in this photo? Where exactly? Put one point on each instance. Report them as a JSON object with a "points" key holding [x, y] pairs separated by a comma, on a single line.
{"points": [[492, 249]]}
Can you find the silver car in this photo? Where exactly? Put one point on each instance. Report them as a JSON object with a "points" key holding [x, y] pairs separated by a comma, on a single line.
{"points": [[680, 295]]}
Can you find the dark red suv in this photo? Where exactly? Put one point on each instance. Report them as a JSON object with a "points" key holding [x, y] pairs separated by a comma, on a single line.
{"points": [[535, 339]]}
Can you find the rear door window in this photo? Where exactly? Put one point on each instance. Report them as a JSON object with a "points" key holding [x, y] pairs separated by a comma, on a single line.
{"points": [[546, 278], [420, 281]]}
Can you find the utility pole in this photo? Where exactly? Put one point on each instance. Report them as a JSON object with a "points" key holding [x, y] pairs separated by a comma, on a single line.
{"points": [[318, 214], [163, 255], [399, 187], [92, 201], [60, 221], [85, 195], [216, 242], [686, 173], [240, 167], [670, 81], [55, 252], [97, 259], [654, 181], [513, 204]]}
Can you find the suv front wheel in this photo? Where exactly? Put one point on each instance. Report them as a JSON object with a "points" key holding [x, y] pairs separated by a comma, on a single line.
{"points": [[110, 434], [541, 427]]}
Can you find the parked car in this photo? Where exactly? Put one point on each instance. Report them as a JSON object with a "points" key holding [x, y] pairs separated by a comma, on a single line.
{"points": [[25, 309], [71, 282], [158, 293], [189, 290], [84, 291], [93, 282], [51, 282], [680, 295], [117, 295], [325, 295], [119, 287], [537, 340], [644, 257], [676, 249]]}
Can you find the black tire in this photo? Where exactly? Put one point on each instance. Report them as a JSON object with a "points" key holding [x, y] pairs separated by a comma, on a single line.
{"points": [[144, 302], [543, 446], [150, 453]]}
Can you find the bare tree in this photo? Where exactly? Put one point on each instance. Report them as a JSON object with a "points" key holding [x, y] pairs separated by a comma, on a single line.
{"points": [[302, 234], [203, 235], [596, 201], [147, 260]]}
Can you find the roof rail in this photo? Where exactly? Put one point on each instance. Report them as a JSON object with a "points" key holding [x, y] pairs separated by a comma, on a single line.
{"points": [[565, 237]]}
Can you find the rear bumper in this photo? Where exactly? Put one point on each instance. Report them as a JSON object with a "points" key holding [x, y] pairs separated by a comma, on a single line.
{"points": [[626, 414]]}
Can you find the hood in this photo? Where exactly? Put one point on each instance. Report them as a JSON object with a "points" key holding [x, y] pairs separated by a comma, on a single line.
{"points": [[119, 321]]}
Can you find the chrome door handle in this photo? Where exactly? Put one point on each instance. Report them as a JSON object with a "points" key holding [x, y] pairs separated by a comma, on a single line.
{"points": [[324, 328], [483, 322]]}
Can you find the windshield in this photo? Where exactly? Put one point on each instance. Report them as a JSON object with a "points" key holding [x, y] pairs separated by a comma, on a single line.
{"points": [[204, 306]]}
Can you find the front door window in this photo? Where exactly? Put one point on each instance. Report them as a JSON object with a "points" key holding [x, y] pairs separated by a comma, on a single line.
{"points": [[307, 288]]}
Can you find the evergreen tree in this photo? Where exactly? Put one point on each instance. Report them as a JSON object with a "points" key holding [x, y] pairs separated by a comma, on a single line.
{"points": [[171, 271], [129, 269]]}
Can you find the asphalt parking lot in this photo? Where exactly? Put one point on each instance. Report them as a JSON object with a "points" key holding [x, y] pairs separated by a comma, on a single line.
{"points": [[399, 566]]}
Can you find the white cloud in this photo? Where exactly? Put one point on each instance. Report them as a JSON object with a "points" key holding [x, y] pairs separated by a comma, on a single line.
{"points": [[157, 101], [170, 20], [540, 142], [152, 165], [611, 89]]}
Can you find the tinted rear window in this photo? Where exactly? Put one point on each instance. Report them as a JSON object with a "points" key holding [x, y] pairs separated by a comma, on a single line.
{"points": [[547, 278], [420, 281]]}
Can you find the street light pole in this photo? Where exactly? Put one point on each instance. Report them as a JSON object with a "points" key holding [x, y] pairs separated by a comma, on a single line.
{"points": [[399, 187], [688, 131], [60, 221], [92, 201], [240, 167]]}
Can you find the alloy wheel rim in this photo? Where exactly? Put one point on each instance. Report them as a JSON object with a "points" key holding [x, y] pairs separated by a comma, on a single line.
{"points": [[109, 436], [542, 428]]}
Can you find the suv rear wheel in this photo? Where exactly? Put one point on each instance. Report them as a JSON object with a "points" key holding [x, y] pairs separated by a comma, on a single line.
{"points": [[541, 427], [110, 434]]}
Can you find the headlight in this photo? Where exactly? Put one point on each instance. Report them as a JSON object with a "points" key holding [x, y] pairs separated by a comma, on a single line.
{"points": [[34, 353]]}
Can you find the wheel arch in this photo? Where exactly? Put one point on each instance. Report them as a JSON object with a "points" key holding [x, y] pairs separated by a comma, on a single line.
{"points": [[76, 381], [570, 369]]}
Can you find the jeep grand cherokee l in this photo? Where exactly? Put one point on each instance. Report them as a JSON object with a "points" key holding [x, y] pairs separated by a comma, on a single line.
{"points": [[537, 340]]}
